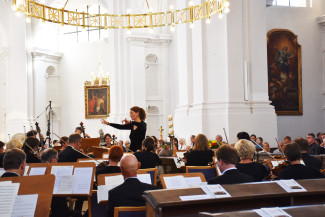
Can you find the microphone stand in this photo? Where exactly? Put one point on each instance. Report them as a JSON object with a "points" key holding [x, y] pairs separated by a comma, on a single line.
{"points": [[48, 133]]}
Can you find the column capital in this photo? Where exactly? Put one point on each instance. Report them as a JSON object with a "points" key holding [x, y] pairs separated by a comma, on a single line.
{"points": [[44, 54]]}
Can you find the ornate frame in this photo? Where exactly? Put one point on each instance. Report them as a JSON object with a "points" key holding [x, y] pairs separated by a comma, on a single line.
{"points": [[99, 90], [288, 73]]}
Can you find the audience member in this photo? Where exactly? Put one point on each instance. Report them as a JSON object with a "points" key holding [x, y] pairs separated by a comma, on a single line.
{"points": [[130, 192], [227, 158], [309, 161], [201, 154], [245, 150], [147, 157], [14, 162], [114, 156], [314, 148], [296, 170]]}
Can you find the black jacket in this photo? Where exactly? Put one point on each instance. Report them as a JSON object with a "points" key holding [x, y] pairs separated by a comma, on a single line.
{"points": [[107, 170], [9, 174], [127, 194], [231, 177], [299, 171], [255, 170], [314, 149], [147, 159], [136, 136], [311, 161], [70, 155], [199, 158]]}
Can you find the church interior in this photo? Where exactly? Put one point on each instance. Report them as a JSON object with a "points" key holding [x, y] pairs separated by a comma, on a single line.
{"points": [[207, 69]]}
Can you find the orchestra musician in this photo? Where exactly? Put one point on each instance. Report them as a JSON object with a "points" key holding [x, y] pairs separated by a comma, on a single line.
{"points": [[80, 130], [71, 153], [64, 141], [30, 148], [50, 155], [107, 140], [137, 126], [201, 155], [147, 157], [14, 163], [309, 161]]}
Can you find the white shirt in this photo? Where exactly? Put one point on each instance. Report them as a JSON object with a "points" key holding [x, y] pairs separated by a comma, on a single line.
{"points": [[233, 168]]}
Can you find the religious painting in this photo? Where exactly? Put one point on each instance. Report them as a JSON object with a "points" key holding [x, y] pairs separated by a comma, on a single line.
{"points": [[284, 72], [97, 102]]}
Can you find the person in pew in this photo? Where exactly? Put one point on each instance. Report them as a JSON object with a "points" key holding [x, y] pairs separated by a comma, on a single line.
{"points": [[14, 163], [30, 148], [296, 170], [114, 157], [147, 157], [227, 158], [245, 150], [71, 153], [50, 155], [130, 192], [309, 161], [201, 155]]}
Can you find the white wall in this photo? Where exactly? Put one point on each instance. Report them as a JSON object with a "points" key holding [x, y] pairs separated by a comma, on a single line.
{"points": [[302, 22]]}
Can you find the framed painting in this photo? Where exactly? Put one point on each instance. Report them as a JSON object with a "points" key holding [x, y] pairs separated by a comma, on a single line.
{"points": [[284, 72], [97, 101]]}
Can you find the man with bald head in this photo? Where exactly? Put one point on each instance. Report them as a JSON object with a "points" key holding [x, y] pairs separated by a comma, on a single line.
{"points": [[130, 192]]}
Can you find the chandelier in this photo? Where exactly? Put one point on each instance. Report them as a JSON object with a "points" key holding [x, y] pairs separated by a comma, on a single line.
{"points": [[100, 79], [128, 21]]}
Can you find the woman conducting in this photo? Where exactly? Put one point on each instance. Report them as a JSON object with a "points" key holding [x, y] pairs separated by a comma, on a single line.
{"points": [[137, 126]]}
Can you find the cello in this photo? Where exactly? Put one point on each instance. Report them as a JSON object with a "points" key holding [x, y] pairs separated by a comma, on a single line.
{"points": [[38, 130]]}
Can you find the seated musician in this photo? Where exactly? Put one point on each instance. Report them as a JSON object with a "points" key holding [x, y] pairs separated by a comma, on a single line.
{"points": [[64, 141], [79, 130], [147, 157], [245, 150], [49, 155], [11, 144], [14, 163], [227, 158], [107, 140], [130, 192], [201, 154], [114, 156], [309, 161], [31, 133], [279, 150], [296, 170], [72, 153], [30, 147]]}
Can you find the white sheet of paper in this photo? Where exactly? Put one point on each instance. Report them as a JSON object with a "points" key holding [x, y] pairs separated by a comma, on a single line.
{"points": [[102, 193], [105, 156], [271, 212], [145, 178], [25, 205], [180, 154], [2, 171], [194, 197], [193, 181], [291, 185], [8, 194], [215, 191], [178, 163], [276, 163], [60, 171], [97, 162], [34, 171], [175, 182], [114, 180], [82, 180], [66, 184], [26, 170]]}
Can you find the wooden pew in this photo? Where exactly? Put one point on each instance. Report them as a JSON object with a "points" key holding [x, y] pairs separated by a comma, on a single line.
{"points": [[243, 196], [41, 185], [300, 211]]}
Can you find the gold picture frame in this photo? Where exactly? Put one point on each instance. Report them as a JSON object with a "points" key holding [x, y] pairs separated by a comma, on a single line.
{"points": [[97, 102], [284, 72]]}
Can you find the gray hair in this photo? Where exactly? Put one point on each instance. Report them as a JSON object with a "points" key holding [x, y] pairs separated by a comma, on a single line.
{"points": [[48, 154]]}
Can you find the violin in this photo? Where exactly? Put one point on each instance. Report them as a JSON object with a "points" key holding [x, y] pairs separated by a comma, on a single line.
{"points": [[83, 129], [38, 130], [35, 153]]}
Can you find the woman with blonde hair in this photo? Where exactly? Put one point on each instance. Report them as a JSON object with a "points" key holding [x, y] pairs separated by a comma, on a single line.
{"points": [[13, 143], [201, 154], [246, 150]]}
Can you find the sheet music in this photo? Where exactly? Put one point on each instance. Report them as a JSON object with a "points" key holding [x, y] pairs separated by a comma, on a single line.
{"points": [[66, 184], [82, 180], [8, 193], [276, 163], [34, 171], [195, 197], [180, 154], [60, 171], [97, 162], [2, 171], [175, 182], [271, 212], [145, 178], [25, 205], [179, 163], [215, 191], [114, 180], [291, 185], [105, 156], [26, 170], [102, 193]]}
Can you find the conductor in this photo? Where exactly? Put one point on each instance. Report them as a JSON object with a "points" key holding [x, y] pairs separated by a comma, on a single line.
{"points": [[137, 126]]}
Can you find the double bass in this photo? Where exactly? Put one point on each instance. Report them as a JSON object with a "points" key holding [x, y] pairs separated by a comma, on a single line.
{"points": [[83, 129], [38, 130]]}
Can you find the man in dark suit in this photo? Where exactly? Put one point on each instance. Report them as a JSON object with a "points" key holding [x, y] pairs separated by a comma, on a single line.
{"points": [[130, 192], [296, 170], [227, 158], [70, 153], [14, 163], [309, 161], [314, 148]]}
